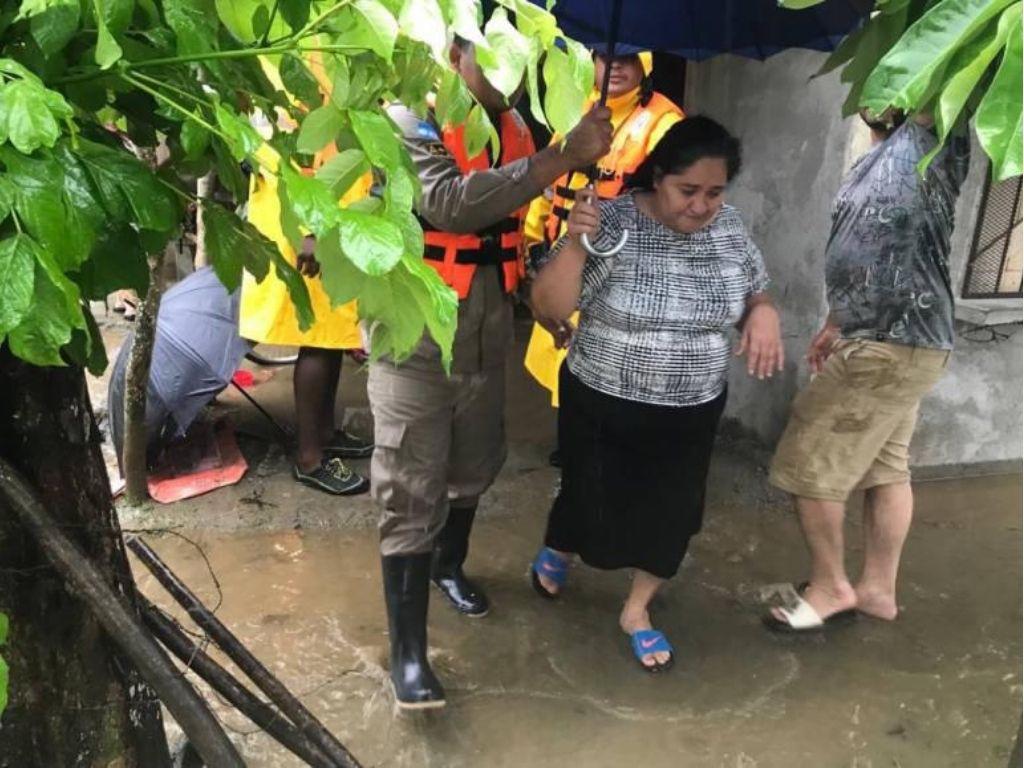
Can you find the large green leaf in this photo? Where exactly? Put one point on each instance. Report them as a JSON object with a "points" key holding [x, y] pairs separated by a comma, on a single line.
{"points": [[17, 280], [453, 99], [422, 20], [294, 12], [341, 279], [228, 171], [237, 17], [341, 80], [195, 139], [54, 203], [311, 200], [998, 120], [880, 33], [29, 114], [243, 139], [117, 14], [437, 302], [391, 311], [117, 261], [319, 128], [128, 190], [478, 131], [533, 84], [372, 243], [401, 190], [377, 138], [233, 245], [536, 23], [54, 314], [967, 68], [108, 52], [908, 74], [564, 96], [511, 53], [465, 18], [52, 22], [299, 81], [194, 23], [343, 170], [366, 24]]}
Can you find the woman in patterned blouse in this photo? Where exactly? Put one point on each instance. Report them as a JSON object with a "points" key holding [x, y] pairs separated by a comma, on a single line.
{"points": [[645, 381]]}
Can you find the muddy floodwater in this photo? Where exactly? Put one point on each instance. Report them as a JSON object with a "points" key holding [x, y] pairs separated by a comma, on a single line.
{"points": [[538, 683]]}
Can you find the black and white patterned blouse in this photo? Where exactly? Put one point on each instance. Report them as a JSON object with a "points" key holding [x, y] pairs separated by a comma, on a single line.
{"points": [[655, 319]]}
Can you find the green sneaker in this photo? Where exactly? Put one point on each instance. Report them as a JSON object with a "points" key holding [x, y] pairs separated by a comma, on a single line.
{"points": [[347, 446], [333, 476]]}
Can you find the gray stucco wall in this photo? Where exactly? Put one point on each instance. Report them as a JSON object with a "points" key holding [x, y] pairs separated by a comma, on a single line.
{"points": [[796, 149]]}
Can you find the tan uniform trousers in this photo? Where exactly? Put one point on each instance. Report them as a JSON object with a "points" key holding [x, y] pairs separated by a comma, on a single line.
{"points": [[440, 440]]}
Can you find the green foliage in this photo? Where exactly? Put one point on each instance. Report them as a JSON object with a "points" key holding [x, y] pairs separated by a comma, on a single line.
{"points": [[954, 59], [998, 121], [88, 87]]}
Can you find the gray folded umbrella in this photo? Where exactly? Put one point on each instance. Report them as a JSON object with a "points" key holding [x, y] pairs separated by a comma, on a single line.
{"points": [[196, 352]]}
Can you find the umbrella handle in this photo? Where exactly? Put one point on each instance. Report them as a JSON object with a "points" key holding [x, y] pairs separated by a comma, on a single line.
{"points": [[623, 239]]}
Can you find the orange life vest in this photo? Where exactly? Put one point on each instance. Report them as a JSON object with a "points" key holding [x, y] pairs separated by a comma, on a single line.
{"points": [[629, 148], [456, 257]]}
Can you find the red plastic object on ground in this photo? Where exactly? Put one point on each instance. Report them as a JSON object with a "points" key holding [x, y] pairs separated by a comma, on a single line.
{"points": [[243, 378], [207, 459]]}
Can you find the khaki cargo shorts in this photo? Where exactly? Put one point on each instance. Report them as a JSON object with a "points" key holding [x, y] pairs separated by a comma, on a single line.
{"points": [[850, 428]]}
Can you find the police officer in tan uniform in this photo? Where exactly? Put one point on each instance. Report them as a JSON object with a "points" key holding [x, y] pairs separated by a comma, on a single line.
{"points": [[440, 439]]}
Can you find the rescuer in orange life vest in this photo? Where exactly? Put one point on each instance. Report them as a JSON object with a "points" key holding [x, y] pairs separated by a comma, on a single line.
{"points": [[440, 440], [640, 117]]}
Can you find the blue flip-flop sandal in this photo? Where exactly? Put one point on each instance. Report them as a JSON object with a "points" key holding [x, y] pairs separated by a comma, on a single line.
{"points": [[552, 567], [648, 641]]}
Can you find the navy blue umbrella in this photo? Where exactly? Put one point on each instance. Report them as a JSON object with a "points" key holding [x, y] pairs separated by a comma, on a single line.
{"points": [[699, 29]]}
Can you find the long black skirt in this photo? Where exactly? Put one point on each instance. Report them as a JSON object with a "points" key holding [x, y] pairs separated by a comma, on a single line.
{"points": [[633, 478]]}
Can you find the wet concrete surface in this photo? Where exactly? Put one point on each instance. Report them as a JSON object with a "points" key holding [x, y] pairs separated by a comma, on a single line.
{"points": [[539, 683]]}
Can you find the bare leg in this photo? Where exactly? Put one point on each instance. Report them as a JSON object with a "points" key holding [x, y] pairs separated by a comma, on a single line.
{"points": [[314, 384], [635, 617], [830, 590], [888, 510]]}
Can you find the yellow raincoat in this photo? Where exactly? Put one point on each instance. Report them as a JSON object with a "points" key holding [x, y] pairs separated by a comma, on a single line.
{"points": [[266, 313]]}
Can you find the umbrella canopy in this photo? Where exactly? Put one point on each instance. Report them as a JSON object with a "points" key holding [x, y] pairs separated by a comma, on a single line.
{"points": [[196, 351], [699, 29]]}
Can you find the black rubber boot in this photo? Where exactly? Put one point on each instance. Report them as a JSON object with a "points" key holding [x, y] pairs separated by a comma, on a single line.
{"points": [[406, 592], [450, 550]]}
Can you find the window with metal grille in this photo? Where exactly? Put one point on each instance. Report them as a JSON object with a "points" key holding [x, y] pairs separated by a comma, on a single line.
{"points": [[994, 269]]}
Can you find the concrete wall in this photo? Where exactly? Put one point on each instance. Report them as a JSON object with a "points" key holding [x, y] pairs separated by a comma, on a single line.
{"points": [[796, 149], [974, 415]]}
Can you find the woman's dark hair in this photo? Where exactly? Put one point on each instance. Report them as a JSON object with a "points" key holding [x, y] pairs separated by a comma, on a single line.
{"points": [[686, 142]]}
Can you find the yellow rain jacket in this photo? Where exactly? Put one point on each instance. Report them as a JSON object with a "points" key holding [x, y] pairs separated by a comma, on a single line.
{"points": [[266, 313]]}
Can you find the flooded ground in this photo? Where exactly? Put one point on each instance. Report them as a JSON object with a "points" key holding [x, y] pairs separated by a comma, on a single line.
{"points": [[539, 683]]}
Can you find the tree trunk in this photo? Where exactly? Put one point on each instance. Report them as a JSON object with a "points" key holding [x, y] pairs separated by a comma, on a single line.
{"points": [[73, 699], [205, 187], [134, 455]]}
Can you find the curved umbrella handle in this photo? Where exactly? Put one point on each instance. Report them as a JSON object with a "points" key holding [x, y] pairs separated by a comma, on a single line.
{"points": [[623, 239]]}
